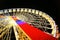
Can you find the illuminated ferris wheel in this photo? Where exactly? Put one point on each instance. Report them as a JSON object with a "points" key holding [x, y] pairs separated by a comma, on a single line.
{"points": [[38, 19]]}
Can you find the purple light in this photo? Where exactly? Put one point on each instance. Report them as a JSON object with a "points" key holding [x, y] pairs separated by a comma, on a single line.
{"points": [[20, 22]]}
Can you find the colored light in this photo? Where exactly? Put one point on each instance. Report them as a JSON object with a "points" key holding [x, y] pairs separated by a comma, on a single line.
{"points": [[34, 33], [19, 22]]}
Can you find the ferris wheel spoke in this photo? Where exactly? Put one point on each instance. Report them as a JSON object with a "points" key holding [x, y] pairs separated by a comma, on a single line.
{"points": [[3, 33], [47, 28]]}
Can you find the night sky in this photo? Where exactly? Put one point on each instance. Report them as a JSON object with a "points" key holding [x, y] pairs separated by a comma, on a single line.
{"points": [[47, 6]]}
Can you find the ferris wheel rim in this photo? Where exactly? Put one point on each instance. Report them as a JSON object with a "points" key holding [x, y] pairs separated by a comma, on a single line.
{"points": [[43, 14]]}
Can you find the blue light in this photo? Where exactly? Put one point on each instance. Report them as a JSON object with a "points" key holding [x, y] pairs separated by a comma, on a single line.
{"points": [[20, 22]]}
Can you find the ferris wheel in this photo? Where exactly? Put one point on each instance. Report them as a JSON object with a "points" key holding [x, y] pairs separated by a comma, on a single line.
{"points": [[38, 19]]}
